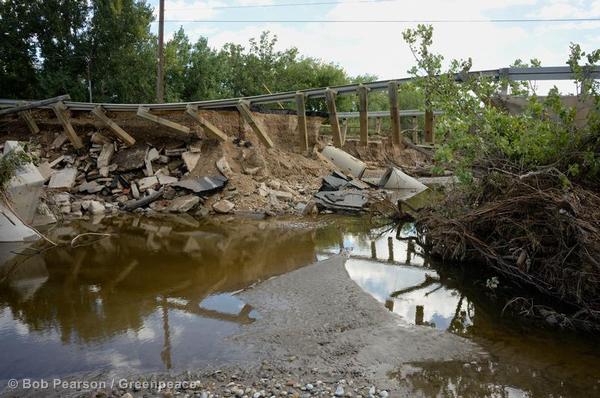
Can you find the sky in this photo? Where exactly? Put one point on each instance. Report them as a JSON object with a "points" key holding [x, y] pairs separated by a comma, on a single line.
{"points": [[378, 48]]}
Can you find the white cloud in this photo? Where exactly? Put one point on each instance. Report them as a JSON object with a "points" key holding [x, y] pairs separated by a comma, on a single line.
{"points": [[378, 48], [190, 10]]}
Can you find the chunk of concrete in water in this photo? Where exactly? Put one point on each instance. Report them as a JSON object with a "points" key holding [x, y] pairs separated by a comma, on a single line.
{"points": [[191, 159], [147, 183], [96, 207], [394, 178], [63, 179], [183, 204], [26, 186], [348, 200], [12, 228], [223, 206], [43, 215]]}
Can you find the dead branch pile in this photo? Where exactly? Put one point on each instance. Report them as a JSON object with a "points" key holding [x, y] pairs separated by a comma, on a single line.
{"points": [[534, 234]]}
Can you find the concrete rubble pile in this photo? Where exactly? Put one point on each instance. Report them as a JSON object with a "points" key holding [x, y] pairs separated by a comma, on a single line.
{"points": [[347, 190], [111, 177]]}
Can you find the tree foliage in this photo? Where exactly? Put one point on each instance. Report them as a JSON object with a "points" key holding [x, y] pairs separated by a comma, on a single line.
{"points": [[104, 51], [475, 132]]}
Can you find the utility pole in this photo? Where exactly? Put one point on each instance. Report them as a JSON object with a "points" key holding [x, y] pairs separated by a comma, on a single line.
{"points": [[160, 77]]}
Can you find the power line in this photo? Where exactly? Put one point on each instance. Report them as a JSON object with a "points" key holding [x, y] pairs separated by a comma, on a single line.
{"points": [[526, 20], [321, 3]]}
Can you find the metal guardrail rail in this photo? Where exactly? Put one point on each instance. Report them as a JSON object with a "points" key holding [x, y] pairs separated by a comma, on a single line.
{"points": [[376, 114], [513, 74]]}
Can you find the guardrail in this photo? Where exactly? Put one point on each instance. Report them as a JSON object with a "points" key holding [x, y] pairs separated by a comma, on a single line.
{"points": [[513, 74], [299, 97]]}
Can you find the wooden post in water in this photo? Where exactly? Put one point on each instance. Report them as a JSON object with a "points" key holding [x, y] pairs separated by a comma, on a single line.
{"points": [[363, 109], [391, 249], [410, 249], [396, 138], [429, 138], [333, 118], [302, 129], [419, 314]]}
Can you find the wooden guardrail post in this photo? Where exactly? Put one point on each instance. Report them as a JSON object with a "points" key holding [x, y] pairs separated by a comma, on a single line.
{"points": [[302, 129], [363, 109], [244, 110], [378, 125], [415, 130], [210, 129], [333, 118], [344, 130], [98, 112], [30, 121], [145, 114], [60, 110], [429, 137], [396, 138]]}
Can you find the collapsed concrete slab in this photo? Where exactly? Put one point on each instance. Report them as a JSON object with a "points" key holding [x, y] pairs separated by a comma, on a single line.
{"points": [[63, 179], [26, 186], [12, 228], [349, 200]]}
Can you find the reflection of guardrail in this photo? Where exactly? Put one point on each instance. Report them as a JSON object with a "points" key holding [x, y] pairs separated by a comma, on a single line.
{"points": [[411, 252]]}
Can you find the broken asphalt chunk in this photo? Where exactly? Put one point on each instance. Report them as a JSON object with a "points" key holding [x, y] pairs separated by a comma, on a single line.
{"points": [[202, 185], [349, 200], [131, 158]]}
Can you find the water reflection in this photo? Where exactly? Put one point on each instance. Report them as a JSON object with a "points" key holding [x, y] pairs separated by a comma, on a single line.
{"points": [[155, 294], [160, 294], [523, 362]]}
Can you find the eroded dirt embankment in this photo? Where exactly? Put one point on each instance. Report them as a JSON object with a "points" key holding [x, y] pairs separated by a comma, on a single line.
{"points": [[278, 180]]}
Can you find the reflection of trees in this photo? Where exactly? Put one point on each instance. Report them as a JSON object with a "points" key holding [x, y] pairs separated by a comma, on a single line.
{"points": [[106, 288]]}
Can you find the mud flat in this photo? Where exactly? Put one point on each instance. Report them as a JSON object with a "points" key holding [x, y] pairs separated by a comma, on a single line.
{"points": [[317, 322]]}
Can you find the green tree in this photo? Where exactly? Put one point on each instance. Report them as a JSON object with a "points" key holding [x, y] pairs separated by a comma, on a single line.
{"points": [[120, 52], [18, 74]]}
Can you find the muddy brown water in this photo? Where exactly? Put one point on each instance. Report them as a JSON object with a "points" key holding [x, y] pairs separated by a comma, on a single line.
{"points": [[160, 294]]}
